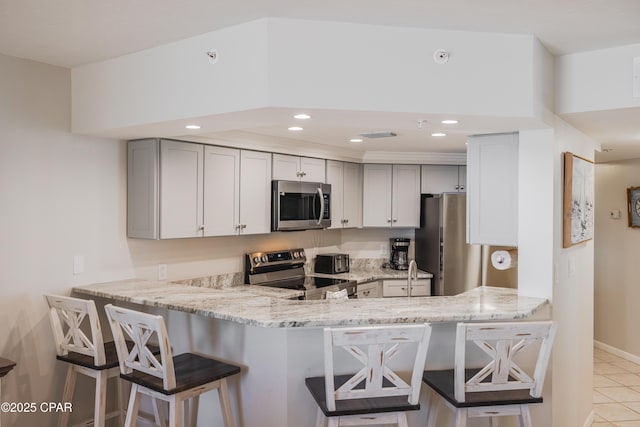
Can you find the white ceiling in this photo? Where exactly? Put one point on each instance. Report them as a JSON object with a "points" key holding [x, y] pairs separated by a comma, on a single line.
{"points": [[75, 32]]}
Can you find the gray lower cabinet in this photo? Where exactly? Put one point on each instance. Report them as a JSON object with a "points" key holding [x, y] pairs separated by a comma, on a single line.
{"points": [[370, 290], [398, 288]]}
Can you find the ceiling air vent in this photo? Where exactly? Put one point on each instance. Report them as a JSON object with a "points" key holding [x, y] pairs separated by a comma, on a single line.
{"points": [[378, 134]]}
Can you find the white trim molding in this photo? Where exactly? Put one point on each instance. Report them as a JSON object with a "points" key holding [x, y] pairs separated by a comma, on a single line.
{"points": [[589, 420], [613, 350]]}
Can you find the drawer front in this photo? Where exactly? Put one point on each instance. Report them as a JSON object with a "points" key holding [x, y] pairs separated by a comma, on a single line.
{"points": [[398, 288], [369, 290]]}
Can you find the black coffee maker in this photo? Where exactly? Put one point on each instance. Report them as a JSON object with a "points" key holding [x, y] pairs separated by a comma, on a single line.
{"points": [[399, 253]]}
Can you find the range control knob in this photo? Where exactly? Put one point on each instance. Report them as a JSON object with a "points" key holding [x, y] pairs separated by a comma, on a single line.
{"points": [[256, 259], [264, 258], [301, 254], [296, 254]]}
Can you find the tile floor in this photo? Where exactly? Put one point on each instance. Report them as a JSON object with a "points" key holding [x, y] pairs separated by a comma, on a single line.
{"points": [[616, 391]]}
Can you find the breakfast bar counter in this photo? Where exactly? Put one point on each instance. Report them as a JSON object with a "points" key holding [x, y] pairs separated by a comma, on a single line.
{"points": [[270, 307], [278, 342]]}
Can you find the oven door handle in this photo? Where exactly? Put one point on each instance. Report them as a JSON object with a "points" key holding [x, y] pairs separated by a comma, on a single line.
{"points": [[319, 190]]}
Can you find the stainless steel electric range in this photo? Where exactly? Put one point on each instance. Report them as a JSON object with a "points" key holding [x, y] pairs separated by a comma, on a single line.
{"points": [[285, 269]]}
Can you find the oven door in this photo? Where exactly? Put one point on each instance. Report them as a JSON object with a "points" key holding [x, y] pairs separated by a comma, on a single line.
{"points": [[300, 205]]}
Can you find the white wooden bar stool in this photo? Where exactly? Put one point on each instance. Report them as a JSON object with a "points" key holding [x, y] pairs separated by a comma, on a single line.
{"points": [[501, 387], [6, 366], [89, 356], [375, 394], [174, 379]]}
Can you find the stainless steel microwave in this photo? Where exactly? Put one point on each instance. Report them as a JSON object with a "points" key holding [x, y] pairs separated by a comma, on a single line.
{"points": [[300, 205]]}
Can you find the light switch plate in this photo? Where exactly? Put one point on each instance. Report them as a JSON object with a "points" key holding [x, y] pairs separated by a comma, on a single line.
{"points": [[615, 214], [162, 271], [78, 264]]}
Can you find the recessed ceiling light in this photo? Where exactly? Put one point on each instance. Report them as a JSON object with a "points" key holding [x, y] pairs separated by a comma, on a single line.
{"points": [[192, 127], [355, 140], [449, 122], [438, 134], [302, 116], [295, 128]]}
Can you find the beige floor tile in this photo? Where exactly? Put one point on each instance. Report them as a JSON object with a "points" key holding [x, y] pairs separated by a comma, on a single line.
{"points": [[608, 357], [604, 381], [601, 368], [627, 423], [600, 398], [629, 366], [621, 394], [615, 412], [627, 379], [633, 405], [603, 424]]}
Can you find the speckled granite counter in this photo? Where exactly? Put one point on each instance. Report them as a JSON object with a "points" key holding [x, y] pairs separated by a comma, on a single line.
{"points": [[363, 275], [258, 306]]}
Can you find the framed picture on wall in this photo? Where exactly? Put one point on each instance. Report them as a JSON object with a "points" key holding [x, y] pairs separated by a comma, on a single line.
{"points": [[578, 208], [633, 206]]}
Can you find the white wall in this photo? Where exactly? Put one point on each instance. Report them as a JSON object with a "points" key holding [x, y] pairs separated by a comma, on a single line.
{"points": [[572, 299], [616, 257], [596, 80]]}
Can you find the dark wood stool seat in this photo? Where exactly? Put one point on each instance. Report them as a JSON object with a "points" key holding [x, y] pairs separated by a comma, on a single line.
{"points": [[192, 371], [442, 382], [110, 353], [316, 386], [6, 366]]}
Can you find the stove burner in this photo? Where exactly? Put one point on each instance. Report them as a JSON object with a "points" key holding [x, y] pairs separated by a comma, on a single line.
{"points": [[285, 270]]}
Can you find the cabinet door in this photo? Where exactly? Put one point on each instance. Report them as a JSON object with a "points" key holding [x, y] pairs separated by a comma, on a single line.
{"points": [[142, 189], [221, 191], [492, 194], [370, 290], [376, 195], [421, 288], [394, 288], [352, 198], [335, 177], [312, 170], [436, 179], [181, 165], [286, 168], [255, 192], [406, 196]]}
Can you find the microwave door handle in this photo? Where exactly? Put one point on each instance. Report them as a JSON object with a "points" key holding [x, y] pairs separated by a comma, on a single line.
{"points": [[319, 190]]}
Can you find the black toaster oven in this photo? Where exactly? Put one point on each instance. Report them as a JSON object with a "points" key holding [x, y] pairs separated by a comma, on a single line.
{"points": [[332, 263]]}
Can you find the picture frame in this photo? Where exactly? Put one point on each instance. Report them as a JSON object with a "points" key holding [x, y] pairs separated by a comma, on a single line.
{"points": [[633, 206], [578, 206]]}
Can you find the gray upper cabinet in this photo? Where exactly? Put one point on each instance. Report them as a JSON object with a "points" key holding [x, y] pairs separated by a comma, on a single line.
{"points": [[436, 179], [346, 194], [492, 193], [179, 189], [294, 168], [391, 196]]}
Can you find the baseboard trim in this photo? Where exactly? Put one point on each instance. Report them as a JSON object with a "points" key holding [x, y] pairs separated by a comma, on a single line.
{"points": [[610, 349]]}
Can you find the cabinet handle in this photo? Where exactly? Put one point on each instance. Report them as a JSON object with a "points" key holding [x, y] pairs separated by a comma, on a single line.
{"points": [[201, 228], [244, 226], [366, 293], [457, 187], [238, 226], [388, 219], [303, 173], [395, 219], [462, 187], [346, 221]]}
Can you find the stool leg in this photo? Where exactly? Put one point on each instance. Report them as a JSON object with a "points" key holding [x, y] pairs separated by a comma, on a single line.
{"points": [[320, 418], [225, 403], [157, 415], [433, 408], [525, 416], [402, 420], [132, 409], [461, 418], [192, 414], [100, 399], [175, 412], [67, 395]]}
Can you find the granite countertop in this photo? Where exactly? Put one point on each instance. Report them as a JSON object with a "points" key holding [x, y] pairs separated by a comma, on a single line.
{"points": [[252, 305]]}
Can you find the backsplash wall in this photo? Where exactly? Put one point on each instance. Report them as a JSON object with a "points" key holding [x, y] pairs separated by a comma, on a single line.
{"points": [[189, 258]]}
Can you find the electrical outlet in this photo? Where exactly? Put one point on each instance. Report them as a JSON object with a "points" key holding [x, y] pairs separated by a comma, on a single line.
{"points": [[162, 271], [615, 214]]}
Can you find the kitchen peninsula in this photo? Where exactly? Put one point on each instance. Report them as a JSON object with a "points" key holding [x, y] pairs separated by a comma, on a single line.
{"points": [[278, 341]]}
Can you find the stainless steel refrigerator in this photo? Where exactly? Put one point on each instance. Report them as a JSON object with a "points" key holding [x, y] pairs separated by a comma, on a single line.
{"points": [[441, 248]]}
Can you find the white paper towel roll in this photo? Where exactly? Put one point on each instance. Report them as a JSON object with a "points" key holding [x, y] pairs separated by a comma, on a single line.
{"points": [[504, 260]]}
